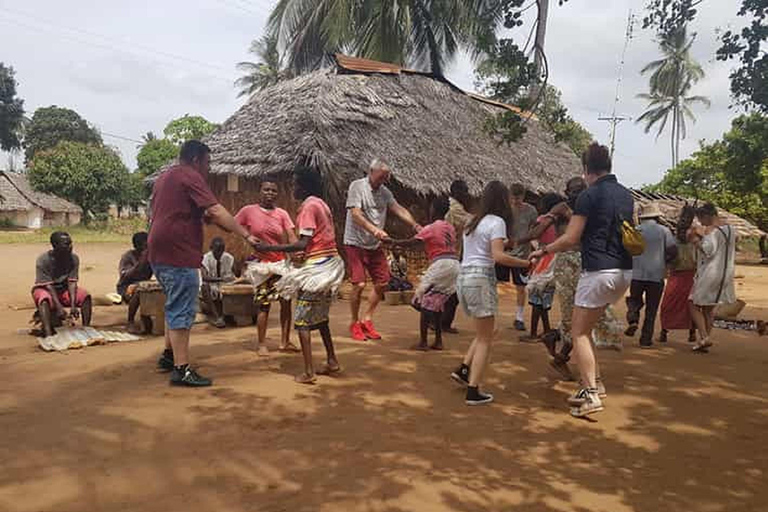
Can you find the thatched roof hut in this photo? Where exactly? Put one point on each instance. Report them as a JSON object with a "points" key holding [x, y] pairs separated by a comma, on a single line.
{"points": [[671, 206], [339, 119], [23, 206]]}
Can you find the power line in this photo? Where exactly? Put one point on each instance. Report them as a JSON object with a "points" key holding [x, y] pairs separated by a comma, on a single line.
{"points": [[112, 135], [125, 44]]}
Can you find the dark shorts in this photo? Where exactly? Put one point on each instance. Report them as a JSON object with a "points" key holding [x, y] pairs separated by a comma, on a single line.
{"points": [[372, 261], [180, 286], [519, 276]]}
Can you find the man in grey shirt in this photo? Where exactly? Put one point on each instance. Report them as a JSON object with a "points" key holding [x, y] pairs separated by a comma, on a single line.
{"points": [[648, 273], [523, 219], [368, 202]]}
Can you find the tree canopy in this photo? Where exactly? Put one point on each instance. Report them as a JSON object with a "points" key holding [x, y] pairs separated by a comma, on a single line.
{"points": [[90, 175], [51, 125], [187, 128], [267, 69], [671, 80], [749, 80], [731, 172], [422, 33], [154, 154], [11, 110]]}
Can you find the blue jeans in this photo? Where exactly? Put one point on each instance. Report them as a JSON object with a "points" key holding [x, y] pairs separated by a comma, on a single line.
{"points": [[181, 286]]}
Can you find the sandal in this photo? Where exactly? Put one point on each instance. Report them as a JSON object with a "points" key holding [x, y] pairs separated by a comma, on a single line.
{"points": [[291, 348], [305, 379], [327, 370]]}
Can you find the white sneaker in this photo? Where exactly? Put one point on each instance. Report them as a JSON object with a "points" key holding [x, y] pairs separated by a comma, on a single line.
{"points": [[591, 404], [601, 389], [578, 398]]}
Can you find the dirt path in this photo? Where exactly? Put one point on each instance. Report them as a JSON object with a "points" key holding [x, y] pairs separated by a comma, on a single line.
{"points": [[99, 430]]}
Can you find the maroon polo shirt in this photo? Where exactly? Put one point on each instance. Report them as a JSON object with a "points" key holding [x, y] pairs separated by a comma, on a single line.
{"points": [[179, 200]]}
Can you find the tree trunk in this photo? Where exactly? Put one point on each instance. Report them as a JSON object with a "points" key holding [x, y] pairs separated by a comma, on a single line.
{"points": [[541, 34]]}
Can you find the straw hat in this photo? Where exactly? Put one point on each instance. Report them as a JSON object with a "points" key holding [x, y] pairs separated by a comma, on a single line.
{"points": [[650, 211]]}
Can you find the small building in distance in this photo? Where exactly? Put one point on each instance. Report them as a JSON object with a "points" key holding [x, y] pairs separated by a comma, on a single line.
{"points": [[22, 206]]}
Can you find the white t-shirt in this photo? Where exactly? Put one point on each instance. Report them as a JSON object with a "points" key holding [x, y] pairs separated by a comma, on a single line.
{"points": [[477, 246]]}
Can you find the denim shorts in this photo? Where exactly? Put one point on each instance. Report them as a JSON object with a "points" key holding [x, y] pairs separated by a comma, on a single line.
{"points": [[476, 288], [181, 286]]}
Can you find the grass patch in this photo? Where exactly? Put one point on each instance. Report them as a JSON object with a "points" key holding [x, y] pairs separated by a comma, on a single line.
{"points": [[112, 230]]}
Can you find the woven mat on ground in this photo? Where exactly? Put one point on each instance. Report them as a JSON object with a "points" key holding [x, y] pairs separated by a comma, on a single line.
{"points": [[72, 338]]}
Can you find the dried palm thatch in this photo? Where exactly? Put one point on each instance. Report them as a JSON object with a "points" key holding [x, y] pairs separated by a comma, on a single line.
{"points": [[429, 131], [671, 206]]}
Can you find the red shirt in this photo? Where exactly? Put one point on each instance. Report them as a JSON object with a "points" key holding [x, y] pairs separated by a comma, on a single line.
{"points": [[550, 234], [269, 226], [179, 200], [315, 219], [439, 239]]}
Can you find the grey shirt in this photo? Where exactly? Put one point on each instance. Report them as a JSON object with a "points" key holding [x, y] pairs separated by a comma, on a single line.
{"points": [[652, 264], [522, 221], [374, 205]]}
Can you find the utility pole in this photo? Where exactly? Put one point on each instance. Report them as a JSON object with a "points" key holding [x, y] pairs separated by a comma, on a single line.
{"points": [[541, 34], [614, 119]]}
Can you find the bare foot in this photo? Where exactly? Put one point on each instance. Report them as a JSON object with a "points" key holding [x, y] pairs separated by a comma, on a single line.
{"points": [[263, 351], [290, 347], [329, 369], [305, 378], [420, 347], [134, 329], [436, 347]]}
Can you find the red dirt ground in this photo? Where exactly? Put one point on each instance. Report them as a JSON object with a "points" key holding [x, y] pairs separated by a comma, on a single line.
{"points": [[99, 430]]}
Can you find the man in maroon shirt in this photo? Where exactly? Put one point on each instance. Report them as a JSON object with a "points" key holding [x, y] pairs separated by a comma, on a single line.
{"points": [[181, 201]]}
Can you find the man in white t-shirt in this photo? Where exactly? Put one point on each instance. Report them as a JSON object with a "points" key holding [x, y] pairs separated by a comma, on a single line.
{"points": [[368, 202]]}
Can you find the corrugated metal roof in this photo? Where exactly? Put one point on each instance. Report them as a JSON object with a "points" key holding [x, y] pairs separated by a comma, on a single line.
{"points": [[10, 198], [361, 65], [48, 202]]}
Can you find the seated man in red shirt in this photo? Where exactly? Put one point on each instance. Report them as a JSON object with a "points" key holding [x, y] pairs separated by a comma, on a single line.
{"points": [[56, 276]]}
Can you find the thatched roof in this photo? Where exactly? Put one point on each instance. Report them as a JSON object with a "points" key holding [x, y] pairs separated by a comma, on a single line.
{"points": [[11, 199], [47, 202], [429, 131], [671, 206]]}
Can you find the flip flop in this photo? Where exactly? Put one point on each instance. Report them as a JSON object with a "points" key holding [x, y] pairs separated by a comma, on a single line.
{"points": [[435, 348], [289, 348], [305, 379], [327, 370], [420, 348]]}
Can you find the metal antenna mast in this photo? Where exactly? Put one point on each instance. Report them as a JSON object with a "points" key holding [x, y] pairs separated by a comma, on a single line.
{"points": [[614, 119]]}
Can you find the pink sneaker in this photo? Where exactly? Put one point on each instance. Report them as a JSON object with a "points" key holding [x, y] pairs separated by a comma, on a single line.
{"points": [[356, 331], [370, 331]]}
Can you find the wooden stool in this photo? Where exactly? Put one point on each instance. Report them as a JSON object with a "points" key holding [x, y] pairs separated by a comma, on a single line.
{"points": [[152, 305], [237, 302]]}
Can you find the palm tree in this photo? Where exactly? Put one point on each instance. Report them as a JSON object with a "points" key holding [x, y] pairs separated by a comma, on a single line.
{"points": [[425, 33], [265, 72], [672, 78]]}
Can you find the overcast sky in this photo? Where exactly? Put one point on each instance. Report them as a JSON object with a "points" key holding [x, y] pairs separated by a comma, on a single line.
{"points": [[130, 67]]}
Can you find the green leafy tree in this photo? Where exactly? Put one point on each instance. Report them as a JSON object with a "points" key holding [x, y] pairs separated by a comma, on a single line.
{"points": [[51, 125], [671, 80], [91, 176], [731, 172], [154, 154], [187, 128], [266, 71], [749, 81], [134, 192], [424, 33], [11, 111]]}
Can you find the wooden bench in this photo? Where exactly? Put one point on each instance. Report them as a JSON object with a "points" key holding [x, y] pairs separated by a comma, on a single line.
{"points": [[152, 305], [237, 302]]}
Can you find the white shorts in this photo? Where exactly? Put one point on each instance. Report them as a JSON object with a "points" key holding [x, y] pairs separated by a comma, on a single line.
{"points": [[602, 288]]}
